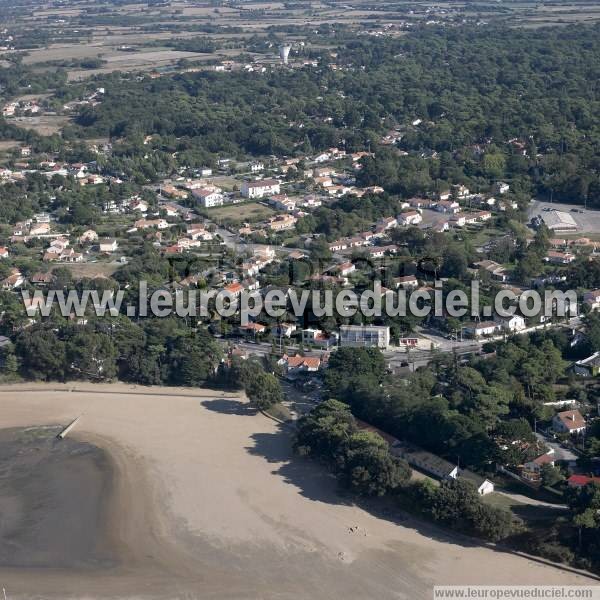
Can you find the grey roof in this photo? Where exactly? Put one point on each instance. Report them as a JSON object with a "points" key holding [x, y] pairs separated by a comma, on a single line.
{"points": [[474, 478]]}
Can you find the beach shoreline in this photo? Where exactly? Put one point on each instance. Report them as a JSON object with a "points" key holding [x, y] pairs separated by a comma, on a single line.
{"points": [[206, 500]]}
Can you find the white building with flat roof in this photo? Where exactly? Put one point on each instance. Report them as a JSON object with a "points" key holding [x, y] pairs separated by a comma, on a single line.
{"points": [[365, 336]]}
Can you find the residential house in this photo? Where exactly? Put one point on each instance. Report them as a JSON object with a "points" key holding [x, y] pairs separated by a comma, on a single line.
{"points": [[323, 172], [148, 223], [381, 251], [338, 245], [299, 364], [253, 329], [447, 206], [496, 270], [209, 197], [411, 217], [532, 469], [577, 481], [512, 323], [592, 299], [69, 255], [139, 205], [569, 421], [282, 202], [197, 232], [422, 203], [42, 279], [39, 229], [13, 281], [316, 337], [406, 282], [501, 187], [588, 367], [481, 484], [284, 329], [282, 222], [425, 461], [481, 328], [88, 236], [460, 191], [172, 192], [3, 252], [234, 289], [108, 245], [172, 210], [387, 223], [458, 220], [260, 188], [556, 257], [346, 269]]}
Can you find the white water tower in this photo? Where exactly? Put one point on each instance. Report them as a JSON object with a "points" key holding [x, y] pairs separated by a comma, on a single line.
{"points": [[284, 53]]}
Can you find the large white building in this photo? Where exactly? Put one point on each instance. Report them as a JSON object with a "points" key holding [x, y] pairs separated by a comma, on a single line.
{"points": [[260, 188], [361, 336], [208, 197], [557, 220]]}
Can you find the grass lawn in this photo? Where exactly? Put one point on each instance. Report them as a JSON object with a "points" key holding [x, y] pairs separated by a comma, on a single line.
{"points": [[280, 412], [250, 212], [500, 501]]}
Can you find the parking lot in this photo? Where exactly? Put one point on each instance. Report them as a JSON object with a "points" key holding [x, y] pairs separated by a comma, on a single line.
{"points": [[587, 220]]}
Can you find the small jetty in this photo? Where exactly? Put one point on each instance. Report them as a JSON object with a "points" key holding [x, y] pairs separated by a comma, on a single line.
{"points": [[64, 432]]}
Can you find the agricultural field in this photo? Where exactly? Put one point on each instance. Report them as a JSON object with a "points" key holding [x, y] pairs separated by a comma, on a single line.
{"points": [[44, 125], [123, 37]]}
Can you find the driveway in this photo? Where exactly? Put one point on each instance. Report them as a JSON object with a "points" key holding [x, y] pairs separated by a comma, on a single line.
{"points": [[560, 453]]}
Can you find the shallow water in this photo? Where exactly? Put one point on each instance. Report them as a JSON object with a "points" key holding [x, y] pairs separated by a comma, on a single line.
{"points": [[53, 497]]}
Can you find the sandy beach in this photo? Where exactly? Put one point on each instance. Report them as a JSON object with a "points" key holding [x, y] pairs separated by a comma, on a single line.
{"points": [[195, 496]]}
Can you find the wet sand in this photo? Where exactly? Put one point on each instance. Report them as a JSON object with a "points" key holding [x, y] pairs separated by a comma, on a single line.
{"points": [[53, 496], [198, 497]]}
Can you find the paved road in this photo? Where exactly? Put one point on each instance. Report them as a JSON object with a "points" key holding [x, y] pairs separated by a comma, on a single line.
{"points": [[531, 501], [560, 453]]}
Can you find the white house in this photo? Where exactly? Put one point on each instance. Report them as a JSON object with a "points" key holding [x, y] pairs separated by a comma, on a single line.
{"points": [[512, 323], [260, 188], [501, 187], [208, 197], [346, 269], [108, 245], [387, 223], [447, 206], [481, 329], [592, 299], [569, 421], [411, 217]]}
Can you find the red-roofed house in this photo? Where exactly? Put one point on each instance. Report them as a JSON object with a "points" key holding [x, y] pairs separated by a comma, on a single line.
{"points": [[533, 468], [576, 481], [235, 289], [295, 364]]}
